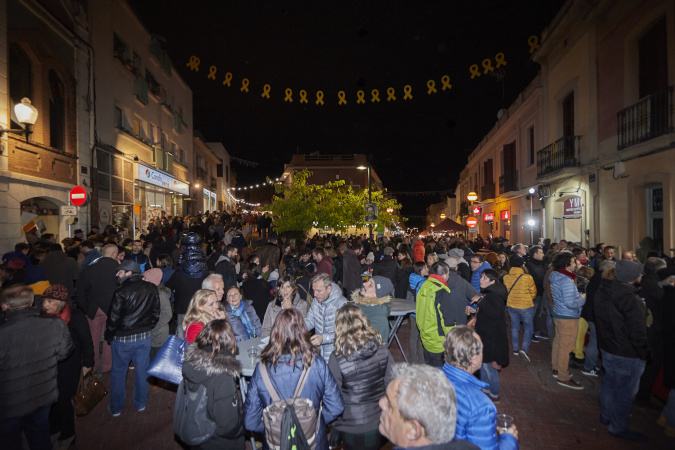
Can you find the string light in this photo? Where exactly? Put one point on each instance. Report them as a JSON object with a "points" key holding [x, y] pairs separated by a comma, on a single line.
{"points": [[238, 200]]}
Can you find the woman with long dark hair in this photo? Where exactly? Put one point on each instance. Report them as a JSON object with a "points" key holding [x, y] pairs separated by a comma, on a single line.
{"points": [[286, 297], [288, 352]]}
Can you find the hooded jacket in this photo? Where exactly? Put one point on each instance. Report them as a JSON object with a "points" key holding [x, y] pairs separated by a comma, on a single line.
{"points": [[321, 318], [435, 314], [377, 310], [475, 275], [567, 302], [418, 251], [219, 375]]}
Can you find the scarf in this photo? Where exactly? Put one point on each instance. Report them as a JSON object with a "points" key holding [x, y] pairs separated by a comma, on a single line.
{"points": [[439, 278], [572, 275], [240, 312], [64, 314]]}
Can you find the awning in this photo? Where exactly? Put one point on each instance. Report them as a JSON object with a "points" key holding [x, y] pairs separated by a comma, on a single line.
{"points": [[449, 225]]}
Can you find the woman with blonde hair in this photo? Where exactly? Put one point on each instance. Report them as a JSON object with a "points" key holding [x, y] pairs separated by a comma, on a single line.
{"points": [[362, 366], [288, 356], [203, 309]]}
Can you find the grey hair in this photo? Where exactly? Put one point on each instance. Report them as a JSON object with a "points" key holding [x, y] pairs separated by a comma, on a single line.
{"points": [[654, 264], [606, 265], [324, 278], [208, 281], [461, 344], [426, 395]]}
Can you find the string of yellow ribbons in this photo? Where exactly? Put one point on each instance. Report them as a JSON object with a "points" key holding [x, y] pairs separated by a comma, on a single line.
{"points": [[474, 72]]}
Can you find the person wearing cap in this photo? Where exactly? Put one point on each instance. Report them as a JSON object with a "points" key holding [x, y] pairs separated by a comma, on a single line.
{"points": [[31, 348], [62, 417], [78, 235], [134, 312], [520, 305], [373, 298], [621, 326], [463, 268]]}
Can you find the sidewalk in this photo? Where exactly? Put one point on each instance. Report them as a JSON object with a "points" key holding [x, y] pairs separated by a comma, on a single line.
{"points": [[548, 416]]}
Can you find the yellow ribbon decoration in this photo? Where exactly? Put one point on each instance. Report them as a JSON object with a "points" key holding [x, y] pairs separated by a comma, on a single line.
{"points": [[341, 96], [390, 94], [446, 82], [266, 91], [474, 71], [303, 96], [376, 96], [408, 92], [228, 79], [487, 65], [244, 85], [533, 41], [289, 95], [212, 72], [499, 59], [431, 84], [193, 64], [319, 97], [360, 95]]}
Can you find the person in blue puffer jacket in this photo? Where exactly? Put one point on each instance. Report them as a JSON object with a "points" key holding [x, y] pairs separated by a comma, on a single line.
{"points": [[476, 414], [477, 267]]}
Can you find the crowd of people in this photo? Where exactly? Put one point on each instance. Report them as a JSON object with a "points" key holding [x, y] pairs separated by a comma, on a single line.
{"points": [[97, 304]]}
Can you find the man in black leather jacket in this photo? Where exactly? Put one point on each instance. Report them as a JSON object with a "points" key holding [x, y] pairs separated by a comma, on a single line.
{"points": [[134, 312]]}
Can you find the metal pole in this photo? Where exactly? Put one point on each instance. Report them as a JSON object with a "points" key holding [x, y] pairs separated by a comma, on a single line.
{"points": [[370, 200], [532, 226]]}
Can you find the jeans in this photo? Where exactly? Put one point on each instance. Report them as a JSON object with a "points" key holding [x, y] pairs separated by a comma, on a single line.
{"points": [[490, 375], [538, 311], [591, 360], [433, 359], [34, 425], [123, 353], [619, 386], [97, 327], [669, 410], [517, 316]]}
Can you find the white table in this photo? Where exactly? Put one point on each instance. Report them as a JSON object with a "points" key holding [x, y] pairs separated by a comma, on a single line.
{"points": [[399, 308], [247, 367]]}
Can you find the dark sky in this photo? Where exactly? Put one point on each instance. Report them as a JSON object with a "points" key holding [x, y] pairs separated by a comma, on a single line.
{"points": [[416, 145]]}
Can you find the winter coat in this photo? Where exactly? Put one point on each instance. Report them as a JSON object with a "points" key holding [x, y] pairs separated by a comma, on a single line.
{"points": [[225, 267], [591, 289], [320, 388], [567, 302], [475, 275], [402, 284], [238, 326], [219, 376], [134, 309], [258, 291], [418, 251], [160, 333], [91, 256], [387, 267], [461, 293], [490, 325], [273, 311], [523, 291], [476, 414], [652, 292], [61, 269], [621, 320], [96, 286], [464, 270], [183, 287], [435, 314], [269, 254], [669, 336], [416, 282], [325, 266], [321, 318], [537, 269], [351, 271], [362, 379], [142, 260], [377, 310], [31, 348]]}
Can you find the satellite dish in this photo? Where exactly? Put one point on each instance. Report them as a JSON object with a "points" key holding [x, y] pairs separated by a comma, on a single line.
{"points": [[500, 113]]}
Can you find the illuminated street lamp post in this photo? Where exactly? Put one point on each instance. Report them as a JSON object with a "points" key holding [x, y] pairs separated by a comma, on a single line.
{"points": [[370, 199], [531, 221]]}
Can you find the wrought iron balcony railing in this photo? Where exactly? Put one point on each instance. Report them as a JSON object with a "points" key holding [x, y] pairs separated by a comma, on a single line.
{"points": [[649, 118], [487, 191], [562, 153]]}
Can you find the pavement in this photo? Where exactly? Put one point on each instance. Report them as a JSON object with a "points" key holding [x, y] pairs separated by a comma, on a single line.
{"points": [[547, 415]]}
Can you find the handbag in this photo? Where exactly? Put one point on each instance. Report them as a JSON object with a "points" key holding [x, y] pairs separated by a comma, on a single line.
{"points": [[168, 364], [90, 391]]}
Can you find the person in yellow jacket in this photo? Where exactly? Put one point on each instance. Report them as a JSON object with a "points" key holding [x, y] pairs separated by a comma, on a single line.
{"points": [[520, 305]]}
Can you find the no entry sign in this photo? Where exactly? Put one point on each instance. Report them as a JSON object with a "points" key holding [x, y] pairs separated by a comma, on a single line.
{"points": [[78, 196]]}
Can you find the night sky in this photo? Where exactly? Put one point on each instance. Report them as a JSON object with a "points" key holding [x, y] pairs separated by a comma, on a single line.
{"points": [[419, 144]]}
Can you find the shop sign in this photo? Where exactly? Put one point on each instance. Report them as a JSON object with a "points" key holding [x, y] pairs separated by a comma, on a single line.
{"points": [[156, 178], [505, 215], [572, 207], [477, 210], [489, 217]]}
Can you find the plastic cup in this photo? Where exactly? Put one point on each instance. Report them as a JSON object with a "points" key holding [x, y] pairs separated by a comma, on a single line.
{"points": [[253, 353], [504, 422]]}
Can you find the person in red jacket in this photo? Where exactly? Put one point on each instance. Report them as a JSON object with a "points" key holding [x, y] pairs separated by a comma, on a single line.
{"points": [[418, 250]]}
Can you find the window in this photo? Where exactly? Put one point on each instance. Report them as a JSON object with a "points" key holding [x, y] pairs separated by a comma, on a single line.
{"points": [[137, 127], [568, 115], [20, 78], [182, 156], [57, 112], [653, 65], [119, 117], [165, 142], [199, 161], [530, 146], [137, 62], [227, 174], [153, 85], [120, 49], [655, 214]]}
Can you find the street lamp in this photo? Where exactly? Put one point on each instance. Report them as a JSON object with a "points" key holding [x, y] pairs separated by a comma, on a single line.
{"points": [[370, 198], [442, 216], [26, 114], [531, 221]]}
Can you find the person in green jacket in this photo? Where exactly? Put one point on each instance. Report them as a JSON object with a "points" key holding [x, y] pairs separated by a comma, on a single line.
{"points": [[373, 298]]}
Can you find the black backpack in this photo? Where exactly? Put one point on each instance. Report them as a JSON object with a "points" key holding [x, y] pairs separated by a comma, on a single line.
{"points": [[191, 421]]}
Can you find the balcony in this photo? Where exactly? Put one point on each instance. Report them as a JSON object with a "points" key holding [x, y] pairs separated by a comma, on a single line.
{"points": [[508, 182], [201, 173], [562, 153], [649, 118], [487, 191]]}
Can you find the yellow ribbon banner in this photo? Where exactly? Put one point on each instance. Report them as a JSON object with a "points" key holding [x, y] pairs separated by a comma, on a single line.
{"points": [[228, 79], [360, 97], [266, 91], [303, 96], [212, 72], [244, 85], [319, 97], [289, 95], [193, 64], [533, 41]]}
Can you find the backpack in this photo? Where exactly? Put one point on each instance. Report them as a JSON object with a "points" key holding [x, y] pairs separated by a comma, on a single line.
{"points": [[191, 421], [291, 423]]}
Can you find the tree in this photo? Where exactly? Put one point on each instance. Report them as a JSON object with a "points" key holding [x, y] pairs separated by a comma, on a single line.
{"points": [[302, 206]]}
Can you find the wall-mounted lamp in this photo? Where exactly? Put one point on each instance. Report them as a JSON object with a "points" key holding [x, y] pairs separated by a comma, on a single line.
{"points": [[27, 115]]}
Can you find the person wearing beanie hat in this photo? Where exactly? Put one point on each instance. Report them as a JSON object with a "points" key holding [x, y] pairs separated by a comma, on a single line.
{"points": [[373, 298], [160, 333], [462, 266], [621, 328]]}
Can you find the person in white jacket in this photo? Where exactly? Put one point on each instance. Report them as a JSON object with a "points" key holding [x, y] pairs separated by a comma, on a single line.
{"points": [[321, 315]]}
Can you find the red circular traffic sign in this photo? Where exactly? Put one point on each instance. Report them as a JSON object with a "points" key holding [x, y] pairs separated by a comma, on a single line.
{"points": [[78, 196], [471, 222]]}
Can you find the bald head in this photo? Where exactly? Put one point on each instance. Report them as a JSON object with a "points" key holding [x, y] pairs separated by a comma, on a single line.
{"points": [[109, 251]]}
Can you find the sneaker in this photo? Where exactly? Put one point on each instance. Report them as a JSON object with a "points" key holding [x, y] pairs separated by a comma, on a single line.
{"points": [[495, 399], [141, 409], [591, 373], [515, 353], [534, 339], [540, 335], [630, 435], [114, 414], [524, 354], [571, 385], [554, 373]]}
